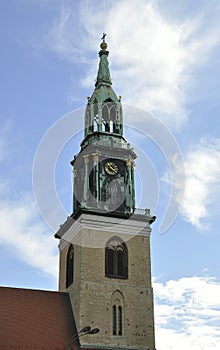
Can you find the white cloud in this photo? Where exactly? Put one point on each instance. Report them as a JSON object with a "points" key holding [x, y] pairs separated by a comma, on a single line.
{"points": [[24, 232], [202, 186], [21, 227], [64, 36], [156, 52], [187, 313]]}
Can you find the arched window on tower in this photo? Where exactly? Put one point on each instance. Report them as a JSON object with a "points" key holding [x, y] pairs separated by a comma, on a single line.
{"points": [[116, 259], [117, 302], [109, 117], [69, 266]]}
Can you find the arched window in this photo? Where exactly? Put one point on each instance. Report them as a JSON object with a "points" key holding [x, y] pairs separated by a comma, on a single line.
{"points": [[116, 259], [109, 116], [69, 266], [117, 302]]}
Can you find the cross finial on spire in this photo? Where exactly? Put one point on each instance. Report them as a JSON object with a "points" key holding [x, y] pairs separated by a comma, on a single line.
{"points": [[103, 37], [103, 44]]}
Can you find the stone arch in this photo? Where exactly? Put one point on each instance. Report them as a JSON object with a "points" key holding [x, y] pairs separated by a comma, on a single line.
{"points": [[118, 311]]}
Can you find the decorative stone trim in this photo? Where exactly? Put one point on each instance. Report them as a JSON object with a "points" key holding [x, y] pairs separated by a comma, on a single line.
{"points": [[105, 224], [109, 347]]}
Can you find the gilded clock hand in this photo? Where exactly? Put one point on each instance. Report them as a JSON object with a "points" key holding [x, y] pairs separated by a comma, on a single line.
{"points": [[112, 167]]}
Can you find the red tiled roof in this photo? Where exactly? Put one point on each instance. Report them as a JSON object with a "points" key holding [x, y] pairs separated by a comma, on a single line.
{"points": [[35, 319]]}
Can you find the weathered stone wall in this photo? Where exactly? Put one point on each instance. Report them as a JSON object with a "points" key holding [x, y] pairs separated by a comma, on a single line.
{"points": [[91, 291]]}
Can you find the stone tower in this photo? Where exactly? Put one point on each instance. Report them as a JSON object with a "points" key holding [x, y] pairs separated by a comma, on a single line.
{"points": [[105, 263]]}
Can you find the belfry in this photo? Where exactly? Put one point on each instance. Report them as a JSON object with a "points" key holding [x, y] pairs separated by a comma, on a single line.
{"points": [[105, 263]]}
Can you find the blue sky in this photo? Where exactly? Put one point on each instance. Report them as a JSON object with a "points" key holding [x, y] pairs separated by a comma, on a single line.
{"points": [[164, 59]]}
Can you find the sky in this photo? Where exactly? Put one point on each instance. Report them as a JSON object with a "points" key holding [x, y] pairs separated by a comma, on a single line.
{"points": [[164, 62]]}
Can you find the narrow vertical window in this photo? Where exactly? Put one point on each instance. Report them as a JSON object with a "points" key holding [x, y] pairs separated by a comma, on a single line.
{"points": [[119, 320], [114, 320], [96, 117], [110, 262], [120, 262], [69, 266], [118, 307], [111, 126]]}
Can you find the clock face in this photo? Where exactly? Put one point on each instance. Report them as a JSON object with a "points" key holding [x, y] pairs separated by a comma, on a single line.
{"points": [[111, 168]]}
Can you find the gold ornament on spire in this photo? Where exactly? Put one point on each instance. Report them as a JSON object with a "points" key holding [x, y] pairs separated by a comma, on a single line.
{"points": [[103, 45]]}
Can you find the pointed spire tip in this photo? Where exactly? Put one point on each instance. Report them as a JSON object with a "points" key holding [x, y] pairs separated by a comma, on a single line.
{"points": [[103, 77]]}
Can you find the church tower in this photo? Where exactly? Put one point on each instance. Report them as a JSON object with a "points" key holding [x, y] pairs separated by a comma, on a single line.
{"points": [[105, 263]]}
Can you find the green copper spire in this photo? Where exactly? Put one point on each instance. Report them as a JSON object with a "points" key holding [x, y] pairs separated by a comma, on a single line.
{"points": [[103, 77], [104, 110]]}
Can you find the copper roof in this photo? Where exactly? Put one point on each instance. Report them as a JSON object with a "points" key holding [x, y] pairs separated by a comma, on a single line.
{"points": [[35, 319]]}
